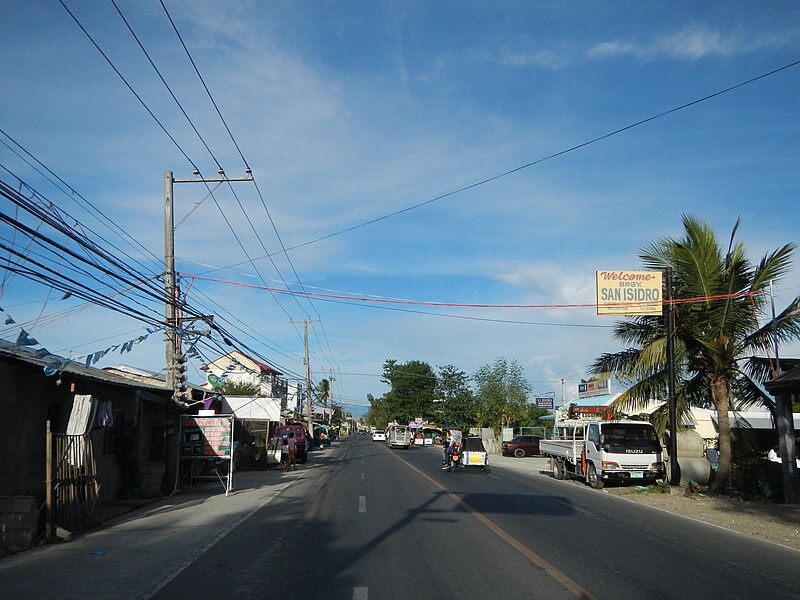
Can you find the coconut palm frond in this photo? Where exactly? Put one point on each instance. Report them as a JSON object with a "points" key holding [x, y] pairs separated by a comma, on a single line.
{"points": [[620, 364], [638, 331], [757, 368], [640, 396], [749, 394], [774, 265]]}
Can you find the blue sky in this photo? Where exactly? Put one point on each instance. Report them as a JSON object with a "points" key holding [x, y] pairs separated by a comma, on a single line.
{"points": [[350, 111]]}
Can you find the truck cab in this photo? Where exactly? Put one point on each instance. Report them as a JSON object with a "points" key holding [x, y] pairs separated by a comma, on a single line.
{"points": [[623, 451]]}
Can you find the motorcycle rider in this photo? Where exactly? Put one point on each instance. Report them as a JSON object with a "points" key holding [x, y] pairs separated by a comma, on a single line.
{"points": [[454, 441]]}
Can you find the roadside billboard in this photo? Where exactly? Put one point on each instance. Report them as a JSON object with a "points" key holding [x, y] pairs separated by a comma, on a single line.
{"points": [[629, 292], [545, 403], [587, 389]]}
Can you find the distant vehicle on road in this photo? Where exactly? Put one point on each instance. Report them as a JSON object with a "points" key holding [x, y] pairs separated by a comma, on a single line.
{"points": [[522, 445], [398, 436], [379, 435], [472, 454]]}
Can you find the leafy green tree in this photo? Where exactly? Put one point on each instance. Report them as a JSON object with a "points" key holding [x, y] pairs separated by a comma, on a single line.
{"points": [[378, 413], [412, 390], [531, 416], [454, 399], [233, 388], [502, 393], [717, 333]]}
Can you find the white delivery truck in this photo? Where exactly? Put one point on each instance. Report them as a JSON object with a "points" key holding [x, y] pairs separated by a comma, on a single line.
{"points": [[602, 451], [398, 436]]}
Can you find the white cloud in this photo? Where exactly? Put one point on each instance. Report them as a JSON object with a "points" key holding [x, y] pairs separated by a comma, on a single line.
{"points": [[540, 58], [692, 43]]}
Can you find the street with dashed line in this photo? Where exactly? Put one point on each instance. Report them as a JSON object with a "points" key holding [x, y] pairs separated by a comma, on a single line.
{"points": [[362, 521]]}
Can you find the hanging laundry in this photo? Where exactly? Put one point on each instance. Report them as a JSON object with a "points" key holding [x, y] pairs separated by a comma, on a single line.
{"points": [[105, 415]]}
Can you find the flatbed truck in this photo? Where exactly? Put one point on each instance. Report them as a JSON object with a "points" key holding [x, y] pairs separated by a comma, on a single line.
{"points": [[603, 451]]}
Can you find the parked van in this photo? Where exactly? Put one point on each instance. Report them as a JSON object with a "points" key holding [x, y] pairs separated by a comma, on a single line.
{"points": [[299, 435]]}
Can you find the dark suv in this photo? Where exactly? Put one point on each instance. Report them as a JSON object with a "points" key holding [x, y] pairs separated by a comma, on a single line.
{"points": [[522, 445], [299, 435]]}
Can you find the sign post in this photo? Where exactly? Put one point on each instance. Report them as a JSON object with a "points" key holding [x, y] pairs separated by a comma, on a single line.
{"points": [[208, 438], [629, 293]]}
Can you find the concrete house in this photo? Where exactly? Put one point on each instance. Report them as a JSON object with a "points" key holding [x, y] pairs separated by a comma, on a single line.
{"points": [[236, 367]]}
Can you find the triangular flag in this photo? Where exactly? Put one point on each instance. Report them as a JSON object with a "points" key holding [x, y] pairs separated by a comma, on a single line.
{"points": [[25, 340]]}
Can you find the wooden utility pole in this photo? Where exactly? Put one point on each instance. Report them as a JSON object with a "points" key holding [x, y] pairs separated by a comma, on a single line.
{"points": [[169, 281], [170, 288]]}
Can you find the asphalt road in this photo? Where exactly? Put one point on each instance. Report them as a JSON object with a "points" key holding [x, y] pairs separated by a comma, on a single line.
{"points": [[362, 521]]}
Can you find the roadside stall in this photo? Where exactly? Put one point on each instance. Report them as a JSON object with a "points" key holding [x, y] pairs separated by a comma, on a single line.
{"points": [[432, 434], [254, 418]]}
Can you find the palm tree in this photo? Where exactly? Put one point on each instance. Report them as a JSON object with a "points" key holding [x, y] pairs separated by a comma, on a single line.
{"points": [[718, 296]]}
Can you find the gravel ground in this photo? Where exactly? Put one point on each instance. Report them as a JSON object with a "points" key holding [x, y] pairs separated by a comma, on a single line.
{"points": [[776, 523]]}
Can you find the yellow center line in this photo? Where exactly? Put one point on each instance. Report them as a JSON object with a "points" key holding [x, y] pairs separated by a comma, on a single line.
{"points": [[534, 558]]}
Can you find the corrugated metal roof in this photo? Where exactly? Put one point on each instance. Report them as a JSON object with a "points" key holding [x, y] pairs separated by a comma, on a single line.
{"points": [[43, 358], [788, 381]]}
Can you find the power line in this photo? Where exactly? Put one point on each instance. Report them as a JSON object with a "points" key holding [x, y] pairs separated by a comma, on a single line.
{"points": [[539, 160], [247, 166]]}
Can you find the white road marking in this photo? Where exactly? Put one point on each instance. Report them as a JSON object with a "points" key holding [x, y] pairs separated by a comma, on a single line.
{"points": [[362, 476], [362, 505], [360, 593]]}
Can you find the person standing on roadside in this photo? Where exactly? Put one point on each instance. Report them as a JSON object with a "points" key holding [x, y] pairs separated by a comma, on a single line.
{"points": [[292, 451], [284, 446]]}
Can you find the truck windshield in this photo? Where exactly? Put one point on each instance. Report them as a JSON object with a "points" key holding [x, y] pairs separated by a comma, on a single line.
{"points": [[631, 437]]}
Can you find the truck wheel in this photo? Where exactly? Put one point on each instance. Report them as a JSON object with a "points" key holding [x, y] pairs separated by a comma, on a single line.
{"points": [[558, 468], [519, 453], [594, 481]]}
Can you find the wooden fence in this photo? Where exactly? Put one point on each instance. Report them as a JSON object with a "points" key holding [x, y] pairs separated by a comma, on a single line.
{"points": [[72, 487]]}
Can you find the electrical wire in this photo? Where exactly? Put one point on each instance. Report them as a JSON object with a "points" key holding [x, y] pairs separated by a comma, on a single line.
{"points": [[249, 170], [538, 161]]}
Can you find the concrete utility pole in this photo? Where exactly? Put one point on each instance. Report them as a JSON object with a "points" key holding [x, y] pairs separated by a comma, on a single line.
{"points": [[330, 397], [308, 382], [308, 377], [674, 469], [170, 288]]}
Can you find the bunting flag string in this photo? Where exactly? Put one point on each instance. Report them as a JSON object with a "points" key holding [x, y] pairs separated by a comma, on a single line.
{"points": [[124, 347], [24, 339]]}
